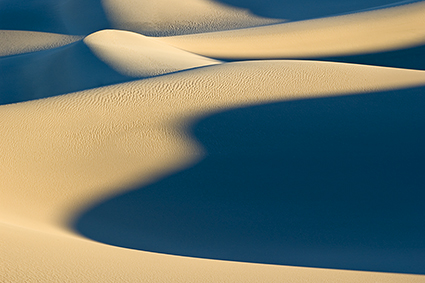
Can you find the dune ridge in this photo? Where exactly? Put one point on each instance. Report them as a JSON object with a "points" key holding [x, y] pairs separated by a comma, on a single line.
{"points": [[138, 56]]}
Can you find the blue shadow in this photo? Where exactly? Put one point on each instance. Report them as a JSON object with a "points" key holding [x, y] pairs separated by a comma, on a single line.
{"points": [[409, 58], [42, 74], [305, 9], [330, 182], [77, 17]]}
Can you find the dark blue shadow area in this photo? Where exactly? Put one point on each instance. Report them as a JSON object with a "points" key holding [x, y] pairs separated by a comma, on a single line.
{"points": [[410, 58], [53, 72], [79, 17], [305, 9], [331, 182]]}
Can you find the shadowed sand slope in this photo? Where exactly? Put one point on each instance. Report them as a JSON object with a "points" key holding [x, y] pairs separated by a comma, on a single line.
{"points": [[161, 17], [17, 42], [103, 58], [61, 155], [410, 58], [80, 17], [305, 9], [329, 182], [52, 72]]}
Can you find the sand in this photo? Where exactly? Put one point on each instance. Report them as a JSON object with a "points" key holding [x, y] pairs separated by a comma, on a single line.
{"points": [[86, 119]]}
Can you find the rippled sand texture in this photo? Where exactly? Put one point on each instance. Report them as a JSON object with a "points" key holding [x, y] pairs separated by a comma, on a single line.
{"points": [[212, 141]]}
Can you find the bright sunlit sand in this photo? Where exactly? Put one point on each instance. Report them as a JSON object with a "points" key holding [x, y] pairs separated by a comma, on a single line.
{"points": [[144, 142]]}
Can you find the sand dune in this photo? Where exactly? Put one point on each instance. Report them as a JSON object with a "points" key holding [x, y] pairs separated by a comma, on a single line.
{"points": [[372, 31], [61, 154], [131, 158]]}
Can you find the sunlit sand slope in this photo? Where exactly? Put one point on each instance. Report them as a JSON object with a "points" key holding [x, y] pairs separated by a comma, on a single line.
{"points": [[135, 55], [372, 31], [34, 256], [62, 154]]}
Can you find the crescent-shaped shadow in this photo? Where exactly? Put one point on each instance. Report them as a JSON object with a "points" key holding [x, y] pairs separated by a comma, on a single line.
{"points": [[409, 58], [333, 182]]}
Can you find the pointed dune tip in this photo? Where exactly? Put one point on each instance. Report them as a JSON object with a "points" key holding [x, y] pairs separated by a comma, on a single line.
{"points": [[136, 55]]}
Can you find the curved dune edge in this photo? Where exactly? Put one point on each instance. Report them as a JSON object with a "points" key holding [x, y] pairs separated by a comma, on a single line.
{"points": [[34, 256], [62, 154], [15, 42], [136, 55], [370, 31]]}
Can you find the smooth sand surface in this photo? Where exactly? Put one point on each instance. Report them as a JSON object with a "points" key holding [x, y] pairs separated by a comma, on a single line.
{"points": [[118, 113], [136, 55]]}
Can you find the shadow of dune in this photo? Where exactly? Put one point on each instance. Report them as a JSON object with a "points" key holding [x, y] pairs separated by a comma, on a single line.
{"points": [[409, 58], [52, 72], [329, 182], [77, 17], [305, 9]]}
